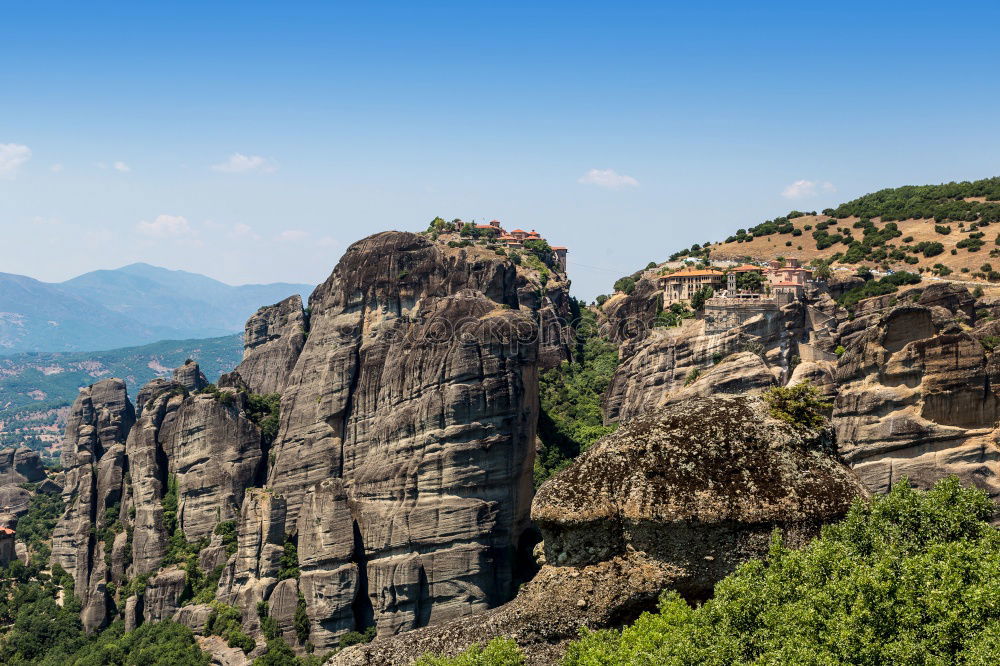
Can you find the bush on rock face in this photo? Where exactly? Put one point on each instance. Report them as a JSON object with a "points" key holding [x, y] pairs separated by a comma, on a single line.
{"points": [[801, 405], [912, 577]]}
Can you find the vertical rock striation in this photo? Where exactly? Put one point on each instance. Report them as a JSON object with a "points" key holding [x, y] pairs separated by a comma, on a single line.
{"points": [[272, 342], [917, 398], [397, 489], [416, 388], [94, 459]]}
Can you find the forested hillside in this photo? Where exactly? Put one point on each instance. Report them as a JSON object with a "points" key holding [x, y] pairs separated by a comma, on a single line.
{"points": [[37, 388]]}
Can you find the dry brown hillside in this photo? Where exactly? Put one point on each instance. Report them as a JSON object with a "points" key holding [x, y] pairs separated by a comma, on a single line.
{"points": [[964, 264]]}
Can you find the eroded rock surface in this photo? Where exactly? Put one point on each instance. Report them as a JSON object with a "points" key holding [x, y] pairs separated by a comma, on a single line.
{"points": [[660, 367], [20, 465], [916, 398], [416, 388], [272, 342], [674, 499], [94, 459]]}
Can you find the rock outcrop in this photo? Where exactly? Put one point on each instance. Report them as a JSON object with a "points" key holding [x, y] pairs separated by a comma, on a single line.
{"points": [[20, 465], [916, 397], [94, 459], [417, 389], [660, 366], [252, 572], [272, 342], [206, 446], [400, 473], [677, 498]]}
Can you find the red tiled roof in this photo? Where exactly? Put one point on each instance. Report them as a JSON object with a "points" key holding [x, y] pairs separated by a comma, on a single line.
{"points": [[559, 247], [787, 284], [745, 268], [694, 273], [6, 530], [519, 231]]}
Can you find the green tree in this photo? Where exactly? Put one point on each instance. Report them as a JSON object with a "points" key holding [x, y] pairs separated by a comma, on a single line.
{"points": [[911, 577], [801, 405], [699, 297], [750, 281], [625, 284], [570, 418]]}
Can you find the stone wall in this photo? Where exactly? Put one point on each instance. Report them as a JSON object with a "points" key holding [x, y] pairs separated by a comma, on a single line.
{"points": [[723, 314]]}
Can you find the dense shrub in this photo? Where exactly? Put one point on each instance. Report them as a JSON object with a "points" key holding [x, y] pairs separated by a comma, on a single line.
{"points": [[227, 622], [163, 643], [886, 285], [801, 405], [265, 411], [570, 419], [908, 578], [939, 202], [625, 284]]}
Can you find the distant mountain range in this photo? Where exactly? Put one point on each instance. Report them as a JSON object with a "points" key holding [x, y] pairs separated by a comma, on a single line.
{"points": [[129, 306]]}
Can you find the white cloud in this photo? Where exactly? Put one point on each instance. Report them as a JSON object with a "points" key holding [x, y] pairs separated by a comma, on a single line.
{"points": [[292, 235], [608, 179], [12, 156], [241, 230], [240, 163], [802, 189], [165, 226], [121, 166], [56, 168]]}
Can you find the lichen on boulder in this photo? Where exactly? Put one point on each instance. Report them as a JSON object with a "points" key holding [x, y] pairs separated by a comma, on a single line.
{"points": [[699, 484]]}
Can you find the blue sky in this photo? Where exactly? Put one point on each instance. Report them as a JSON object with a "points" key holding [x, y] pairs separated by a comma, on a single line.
{"points": [[253, 142]]}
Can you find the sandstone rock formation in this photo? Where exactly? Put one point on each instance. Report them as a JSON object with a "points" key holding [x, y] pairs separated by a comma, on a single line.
{"points": [[400, 475], [417, 388], [916, 397], [20, 465], [660, 366], [677, 498], [252, 572], [272, 342], [94, 459]]}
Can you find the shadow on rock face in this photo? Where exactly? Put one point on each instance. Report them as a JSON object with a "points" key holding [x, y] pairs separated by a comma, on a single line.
{"points": [[677, 498]]}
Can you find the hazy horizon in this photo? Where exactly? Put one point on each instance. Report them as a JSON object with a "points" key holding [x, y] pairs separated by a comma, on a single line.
{"points": [[253, 144]]}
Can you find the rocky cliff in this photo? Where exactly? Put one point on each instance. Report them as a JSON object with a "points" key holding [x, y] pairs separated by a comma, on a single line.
{"points": [[659, 365], [916, 392], [913, 386], [677, 498], [394, 489], [94, 458], [272, 342], [417, 388], [369, 462], [18, 467]]}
